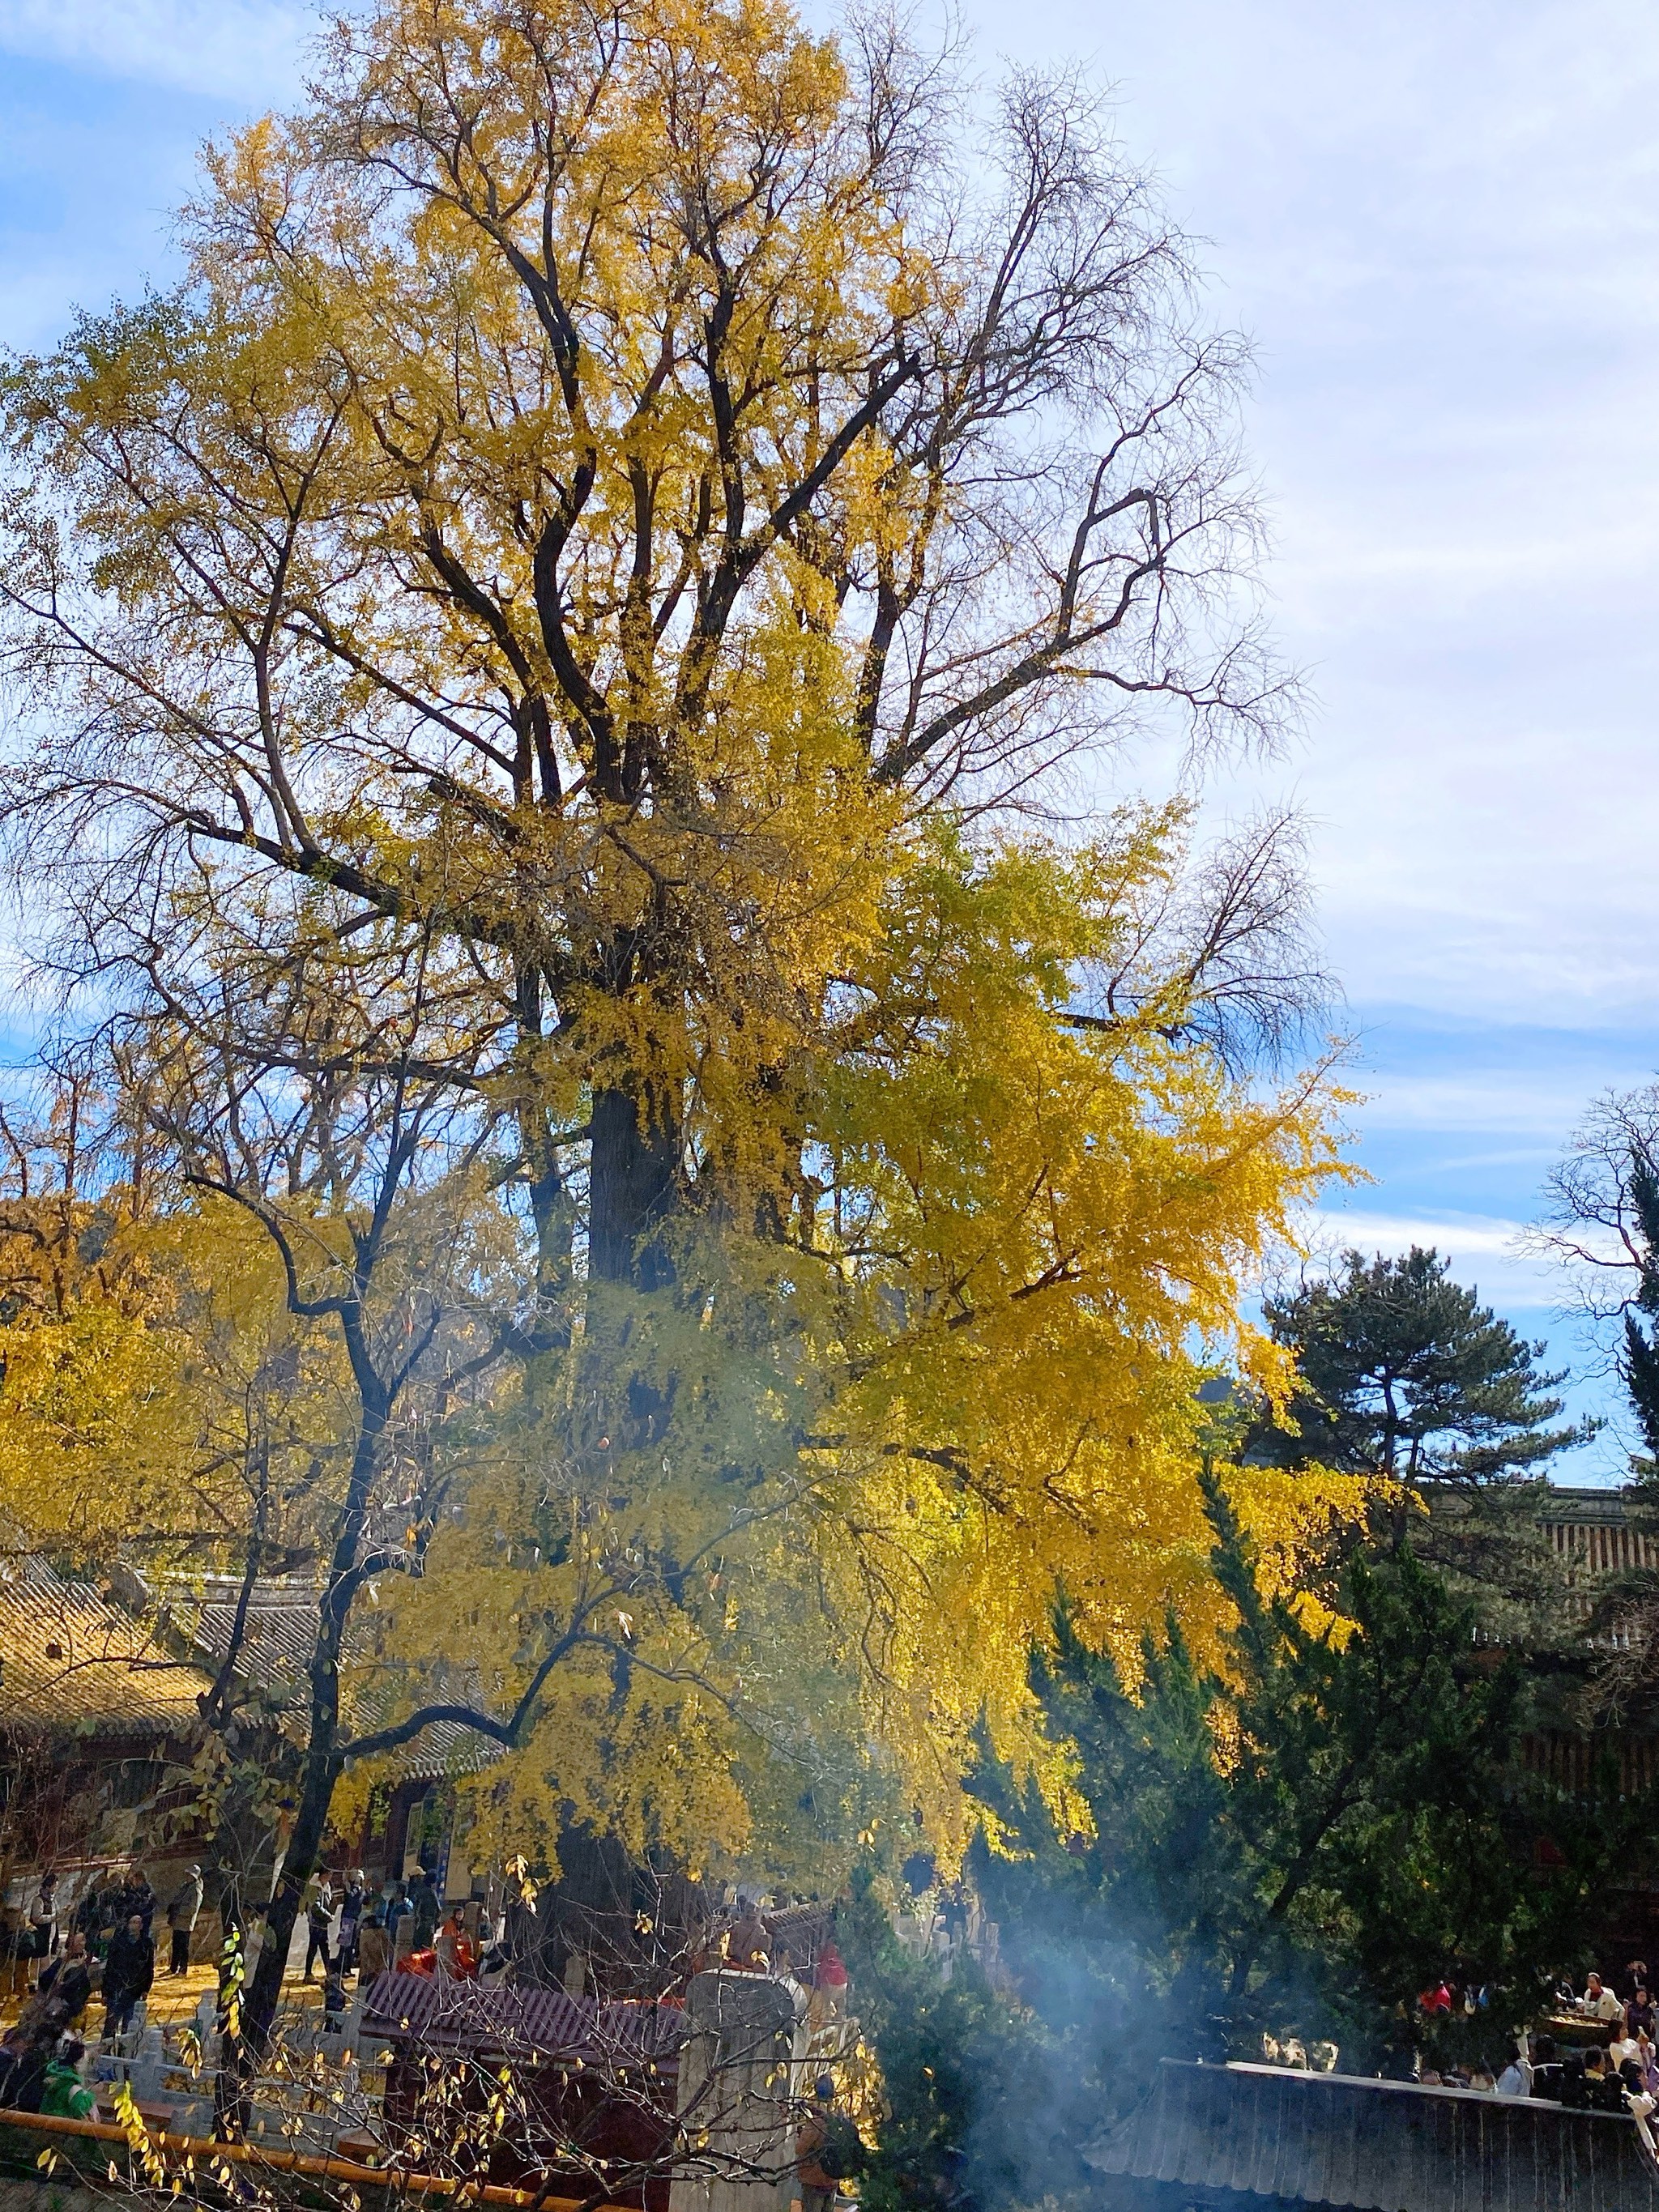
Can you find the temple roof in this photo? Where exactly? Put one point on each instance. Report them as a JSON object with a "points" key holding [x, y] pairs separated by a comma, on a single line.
{"points": [[1242, 2134], [72, 1663]]}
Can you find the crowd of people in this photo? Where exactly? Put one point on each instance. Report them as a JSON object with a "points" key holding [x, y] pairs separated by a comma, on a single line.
{"points": [[402, 1924], [103, 1944], [1616, 2059], [1596, 2077]]}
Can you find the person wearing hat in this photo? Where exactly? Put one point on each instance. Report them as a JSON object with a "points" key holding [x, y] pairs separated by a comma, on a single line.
{"points": [[821, 2148], [182, 1915]]}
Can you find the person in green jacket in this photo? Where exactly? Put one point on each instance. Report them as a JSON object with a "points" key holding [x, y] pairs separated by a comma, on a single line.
{"points": [[64, 2093]]}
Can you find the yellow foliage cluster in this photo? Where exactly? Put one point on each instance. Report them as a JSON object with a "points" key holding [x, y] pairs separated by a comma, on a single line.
{"points": [[964, 1377]]}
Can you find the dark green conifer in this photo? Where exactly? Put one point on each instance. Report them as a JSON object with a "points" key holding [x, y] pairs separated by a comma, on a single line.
{"points": [[1407, 1376]]}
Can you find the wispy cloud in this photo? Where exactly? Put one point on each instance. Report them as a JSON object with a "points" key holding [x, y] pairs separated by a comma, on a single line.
{"points": [[1437, 224], [1493, 1102], [1485, 1250], [239, 49]]}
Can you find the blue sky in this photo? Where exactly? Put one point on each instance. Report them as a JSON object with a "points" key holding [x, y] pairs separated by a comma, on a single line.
{"points": [[1440, 226]]}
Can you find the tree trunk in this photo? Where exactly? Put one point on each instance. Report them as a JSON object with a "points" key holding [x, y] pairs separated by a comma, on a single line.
{"points": [[239, 2064], [321, 1769], [633, 1181]]}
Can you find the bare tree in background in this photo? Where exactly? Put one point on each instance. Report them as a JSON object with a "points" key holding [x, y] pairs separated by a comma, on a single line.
{"points": [[1601, 1224]]}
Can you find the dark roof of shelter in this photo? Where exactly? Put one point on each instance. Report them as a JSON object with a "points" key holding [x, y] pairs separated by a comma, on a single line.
{"points": [[1366, 2146], [1605, 1509], [277, 1635], [520, 2020], [802, 1930], [71, 1663], [445, 1748]]}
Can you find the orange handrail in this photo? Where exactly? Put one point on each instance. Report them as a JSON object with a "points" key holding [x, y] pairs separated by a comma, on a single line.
{"points": [[295, 2161]]}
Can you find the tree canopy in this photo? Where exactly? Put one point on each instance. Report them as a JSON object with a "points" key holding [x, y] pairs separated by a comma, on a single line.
{"points": [[1603, 1223], [1291, 1841], [1406, 1375], [543, 658]]}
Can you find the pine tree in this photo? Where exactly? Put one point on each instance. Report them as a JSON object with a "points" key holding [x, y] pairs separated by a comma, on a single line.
{"points": [[1407, 1376], [981, 2104], [1295, 1841], [1640, 1366]]}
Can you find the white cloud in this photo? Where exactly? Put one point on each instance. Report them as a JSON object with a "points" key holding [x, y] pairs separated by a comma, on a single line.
{"points": [[241, 50], [1438, 224], [1490, 1101], [1484, 1251]]}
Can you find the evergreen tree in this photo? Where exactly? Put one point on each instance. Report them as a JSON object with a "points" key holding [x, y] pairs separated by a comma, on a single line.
{"points": [[1406, 1376], [1301, 1839], [984, 2101], [1295, 1841], [1639, 1364]]}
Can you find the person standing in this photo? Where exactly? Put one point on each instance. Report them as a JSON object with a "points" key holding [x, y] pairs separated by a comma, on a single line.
{"points": [[65, 1983], [400, 1922], [95, 1915], [814, 2150], [1599, 2002], [319, 1918], [137, 1895], [43, 1916], [16, 1951], [427, 1911], [351, 1915], [129, 1972], [374, 1947], [494, 1960], [1515, 2080], [1603, 2090], [26, 2084], [1548, 2073], [457, 1960], [183, 1913]]}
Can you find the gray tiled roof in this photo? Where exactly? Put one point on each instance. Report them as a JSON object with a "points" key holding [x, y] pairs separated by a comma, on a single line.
{"points": [[508, 2020], [1366, 2146], [278, 1639], [69, 1661]]}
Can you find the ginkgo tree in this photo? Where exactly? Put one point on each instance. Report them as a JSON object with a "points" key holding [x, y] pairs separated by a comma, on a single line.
{"points": [[555, 649]]}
